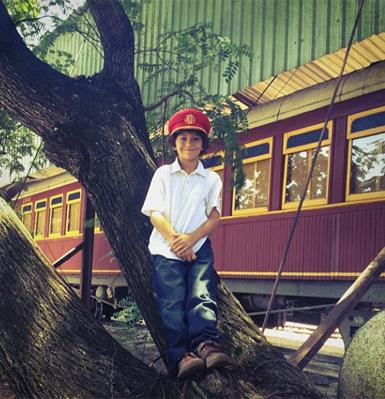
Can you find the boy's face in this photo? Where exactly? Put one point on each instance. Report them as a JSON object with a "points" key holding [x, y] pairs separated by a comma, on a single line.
{"points": [[188, 145]]}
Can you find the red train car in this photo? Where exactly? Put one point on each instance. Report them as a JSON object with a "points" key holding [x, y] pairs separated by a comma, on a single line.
{"points": [[342, 225], [52, 207]]}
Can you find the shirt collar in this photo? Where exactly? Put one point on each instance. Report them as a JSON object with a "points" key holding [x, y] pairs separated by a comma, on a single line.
{"points": [[200, 170]]}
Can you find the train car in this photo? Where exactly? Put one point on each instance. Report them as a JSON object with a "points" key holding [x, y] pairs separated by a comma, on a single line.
{"points": [[52, 207], [342, 224]]}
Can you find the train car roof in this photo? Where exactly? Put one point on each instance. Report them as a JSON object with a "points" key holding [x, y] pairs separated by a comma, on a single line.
{"points": [[42, 180], [355, 84]]}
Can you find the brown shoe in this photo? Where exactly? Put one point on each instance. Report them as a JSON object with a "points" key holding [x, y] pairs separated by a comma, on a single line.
{"points": [[189, 365], [211, 353]]}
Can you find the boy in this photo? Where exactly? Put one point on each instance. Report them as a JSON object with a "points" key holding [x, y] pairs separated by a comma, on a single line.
{"points": [[183, 203]]}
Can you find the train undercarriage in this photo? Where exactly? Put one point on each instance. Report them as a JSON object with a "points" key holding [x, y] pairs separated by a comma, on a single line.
{"points": [[306, 302]]}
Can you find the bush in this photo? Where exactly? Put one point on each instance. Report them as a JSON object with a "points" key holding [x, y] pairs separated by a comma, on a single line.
{"points": [[130, 313]]}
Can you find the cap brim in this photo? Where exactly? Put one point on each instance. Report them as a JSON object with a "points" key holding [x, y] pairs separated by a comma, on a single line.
{"points": [[189, 127]]}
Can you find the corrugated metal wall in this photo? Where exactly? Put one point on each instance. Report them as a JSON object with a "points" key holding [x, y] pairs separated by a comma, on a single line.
{"points": [[283, 34]]}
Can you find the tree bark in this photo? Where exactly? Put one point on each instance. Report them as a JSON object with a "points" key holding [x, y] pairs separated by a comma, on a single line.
{"points": [[50, 346], [95, 129]]}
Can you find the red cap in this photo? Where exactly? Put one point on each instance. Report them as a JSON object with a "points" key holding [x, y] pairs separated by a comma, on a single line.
{"points": [[189, 119]]}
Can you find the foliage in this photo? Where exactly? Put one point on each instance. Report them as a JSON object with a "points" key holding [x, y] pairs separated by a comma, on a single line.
{"points": [[368, 164], [16, 142], [183, 55], [130, 312], [34, 17], [81, 23]]}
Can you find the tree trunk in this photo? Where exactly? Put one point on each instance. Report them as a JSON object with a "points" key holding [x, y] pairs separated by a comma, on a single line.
{"points": [[50, 346], [95, 128]]}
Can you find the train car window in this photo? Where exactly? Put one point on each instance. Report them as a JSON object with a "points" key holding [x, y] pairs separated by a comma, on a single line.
{"points": [[253, 197], [73, 209], [40, 218], [366, 156], [299, 149], [306, 138], [56, 215], [98, 226], [210, 161], [26, 216], [215, 162]]}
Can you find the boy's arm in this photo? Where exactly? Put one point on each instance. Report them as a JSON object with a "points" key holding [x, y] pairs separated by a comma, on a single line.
{"points": [[164, 227], [184, 242]]}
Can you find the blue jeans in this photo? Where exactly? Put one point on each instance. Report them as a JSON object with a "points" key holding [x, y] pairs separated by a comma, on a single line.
{"points": [[186, 299]]}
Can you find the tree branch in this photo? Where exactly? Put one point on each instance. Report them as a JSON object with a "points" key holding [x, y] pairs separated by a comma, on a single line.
{"points": [[117, 37], [184, 93], [21, 21], [91, 40], [30, 89]]}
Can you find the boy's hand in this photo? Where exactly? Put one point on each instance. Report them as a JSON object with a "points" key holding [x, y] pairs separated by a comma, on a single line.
{"points": [[187, 256], [181, 242]]}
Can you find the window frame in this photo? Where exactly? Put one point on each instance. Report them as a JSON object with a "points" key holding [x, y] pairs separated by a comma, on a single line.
{"points": [[306, 147], [269, 155], [97, 229], [27, 213], [71, 233], [218, 167], [53, 235], [353, 197], [36, 236]]}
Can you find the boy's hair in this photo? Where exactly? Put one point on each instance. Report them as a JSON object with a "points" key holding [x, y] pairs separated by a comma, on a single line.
{"points": [[205, 140]]}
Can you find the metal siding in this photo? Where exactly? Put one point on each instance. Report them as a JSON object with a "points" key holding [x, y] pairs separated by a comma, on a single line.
{"points": [[202, 14], [334, 23], [209, 82], [235, 26], [244, 23], [217, 249], [139, 56], [283, 34], [330, 240], [360, 240], [102, 261]]}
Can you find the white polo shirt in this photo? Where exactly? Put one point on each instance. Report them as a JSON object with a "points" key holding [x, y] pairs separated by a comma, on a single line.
{"points": [[185, 201]]}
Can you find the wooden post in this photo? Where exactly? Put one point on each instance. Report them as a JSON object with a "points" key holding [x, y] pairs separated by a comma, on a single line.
{"points": [[87, 255], [352, 296], [68, 255]]}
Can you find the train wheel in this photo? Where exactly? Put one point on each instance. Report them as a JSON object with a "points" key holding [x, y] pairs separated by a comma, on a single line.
{"points": [[96, 308]]}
